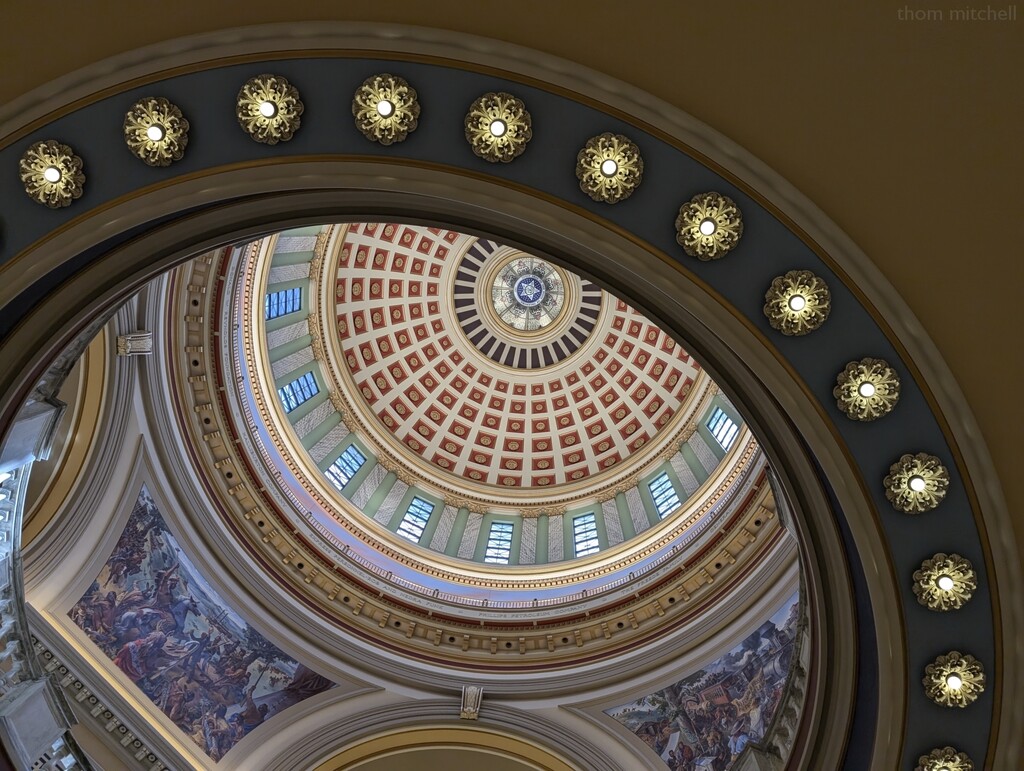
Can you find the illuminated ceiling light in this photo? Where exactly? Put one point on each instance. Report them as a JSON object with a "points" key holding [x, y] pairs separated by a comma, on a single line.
{"points": [[386, 108], [901, 487], [156, 131], [797, 303], [498, 127], [867, 389], [51, 173], [4, 476], [269, 109], [609, 168], [954, 680], [709, 226], [945, 582], [945, 759]]}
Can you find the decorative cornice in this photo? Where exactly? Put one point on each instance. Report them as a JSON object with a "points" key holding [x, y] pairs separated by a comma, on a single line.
{"points": [[104, 717]]}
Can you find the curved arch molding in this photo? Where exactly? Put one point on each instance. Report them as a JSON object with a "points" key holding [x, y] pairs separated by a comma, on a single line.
{"points": [[58, 267]]}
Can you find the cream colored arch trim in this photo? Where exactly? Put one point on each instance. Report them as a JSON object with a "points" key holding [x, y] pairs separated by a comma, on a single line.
{"points": [[404, 741]]}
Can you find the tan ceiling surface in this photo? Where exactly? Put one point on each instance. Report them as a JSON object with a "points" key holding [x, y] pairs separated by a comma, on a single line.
{"points": [[904, 132]]}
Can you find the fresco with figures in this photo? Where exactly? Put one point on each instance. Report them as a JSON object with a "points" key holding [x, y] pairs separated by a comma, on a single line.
{"points": [[705, 720], [166, 629]]}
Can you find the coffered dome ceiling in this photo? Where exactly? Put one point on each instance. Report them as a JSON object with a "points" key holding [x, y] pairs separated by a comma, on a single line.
{"points": [[499, 398], [286, 386], [494, 366]]}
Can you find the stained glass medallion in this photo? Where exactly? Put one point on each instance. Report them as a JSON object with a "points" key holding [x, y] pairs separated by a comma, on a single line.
{"points": [[528, 294]]}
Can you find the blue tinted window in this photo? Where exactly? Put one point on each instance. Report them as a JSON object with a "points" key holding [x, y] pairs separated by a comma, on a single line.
{"points": [[282, 303], [415, 519], [723, 428], [346, 466], [666, 500], [499, 543], [584, 535], [301, 389]]}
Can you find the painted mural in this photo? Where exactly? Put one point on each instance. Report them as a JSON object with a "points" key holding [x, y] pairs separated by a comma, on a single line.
{"points": [[703, 722], [171, 634]]}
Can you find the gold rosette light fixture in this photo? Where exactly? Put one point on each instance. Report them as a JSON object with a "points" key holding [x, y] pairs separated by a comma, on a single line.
{"points": [[945, 582], [609, 168], [797, 303], [52, 174], [916, 483], [945, 759], [709, 226], [867, 389], [156, 131], [498, 127], [954, 679], [386, 108], [269, 109]]}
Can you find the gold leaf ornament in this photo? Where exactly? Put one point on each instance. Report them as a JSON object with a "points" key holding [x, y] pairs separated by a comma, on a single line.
{"points": [[797, 303], [609, 168], [386, 108], [269, 109], [954, 679], [498, 127], [51, 174], [916, 483], [155, 131], [945, 759], [709, 226], [867, 389], [945, 582]]}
